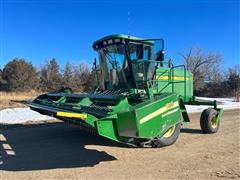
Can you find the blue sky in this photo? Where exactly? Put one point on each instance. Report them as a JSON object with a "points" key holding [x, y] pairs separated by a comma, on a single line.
{"points": [[39, 30]]}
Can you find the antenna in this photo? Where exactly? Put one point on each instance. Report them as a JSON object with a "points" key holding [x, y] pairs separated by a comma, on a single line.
{"points": [[129, 27]]}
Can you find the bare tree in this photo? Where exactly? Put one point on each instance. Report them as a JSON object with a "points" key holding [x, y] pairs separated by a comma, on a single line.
{"points": [[85, 77], [68, 75], [205, 67], [234, 81], [76, 81]]}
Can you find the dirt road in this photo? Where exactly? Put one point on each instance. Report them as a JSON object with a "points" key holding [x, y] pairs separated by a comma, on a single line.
{"points": [[60, 150]]}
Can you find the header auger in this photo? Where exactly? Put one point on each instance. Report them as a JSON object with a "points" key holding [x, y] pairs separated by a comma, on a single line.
{"points": [[140, 98]]}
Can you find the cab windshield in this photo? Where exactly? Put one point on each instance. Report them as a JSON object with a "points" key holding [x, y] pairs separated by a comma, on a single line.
{"points": [[125, 66], [114, 67]]}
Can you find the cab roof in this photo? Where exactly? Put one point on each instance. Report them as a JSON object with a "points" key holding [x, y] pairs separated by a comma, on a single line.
{"points": [[117, 38]]}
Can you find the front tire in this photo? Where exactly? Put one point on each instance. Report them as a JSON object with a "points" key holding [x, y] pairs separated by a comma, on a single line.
{"points": [[208, 121], [169, 138]]}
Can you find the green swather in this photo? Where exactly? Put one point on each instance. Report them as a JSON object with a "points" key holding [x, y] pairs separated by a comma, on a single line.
{"points": [[139, 100]]}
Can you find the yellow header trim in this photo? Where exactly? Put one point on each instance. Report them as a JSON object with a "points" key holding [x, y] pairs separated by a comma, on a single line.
{"points": [[177, 78], [165, 108], [72, 115]]}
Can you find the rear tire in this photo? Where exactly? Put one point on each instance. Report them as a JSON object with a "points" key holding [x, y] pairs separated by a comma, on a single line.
{"points": [[169, 138], [208, 121]]}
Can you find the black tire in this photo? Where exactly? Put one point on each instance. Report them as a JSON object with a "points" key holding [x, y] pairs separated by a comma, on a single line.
{"points": [[208, 121], [168, 140]]}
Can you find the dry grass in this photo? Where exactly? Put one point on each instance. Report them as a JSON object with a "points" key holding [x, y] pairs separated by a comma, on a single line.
{"points": [[7, 98]]}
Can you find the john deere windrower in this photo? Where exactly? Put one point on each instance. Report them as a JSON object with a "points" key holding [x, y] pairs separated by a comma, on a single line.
{"points": [[140, 98]]}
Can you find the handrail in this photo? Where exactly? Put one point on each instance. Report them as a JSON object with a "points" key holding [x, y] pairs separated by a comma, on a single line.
{"points": [[169, 63], [170, 75]]}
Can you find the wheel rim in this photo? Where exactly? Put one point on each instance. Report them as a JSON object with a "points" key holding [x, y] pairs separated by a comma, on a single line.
{"points": [[214, 122], [169, 132]]}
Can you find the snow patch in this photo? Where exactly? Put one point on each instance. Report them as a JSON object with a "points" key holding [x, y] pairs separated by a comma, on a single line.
{"points": [[20, 115]]}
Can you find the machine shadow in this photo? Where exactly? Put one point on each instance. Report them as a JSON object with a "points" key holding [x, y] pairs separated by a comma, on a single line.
{"points": [[191, 131], [40, 147]]}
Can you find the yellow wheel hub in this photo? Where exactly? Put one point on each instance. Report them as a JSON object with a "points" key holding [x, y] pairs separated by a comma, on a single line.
{"points": [[214, 122], [169, 132]]}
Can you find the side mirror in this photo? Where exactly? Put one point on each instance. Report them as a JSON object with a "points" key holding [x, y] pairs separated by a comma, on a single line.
{"points": [[96, 74], [160, 57], [95, 63]]}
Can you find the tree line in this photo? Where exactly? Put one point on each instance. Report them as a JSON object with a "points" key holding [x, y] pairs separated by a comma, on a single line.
{"points": [[21, 75], [209, 78]]}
